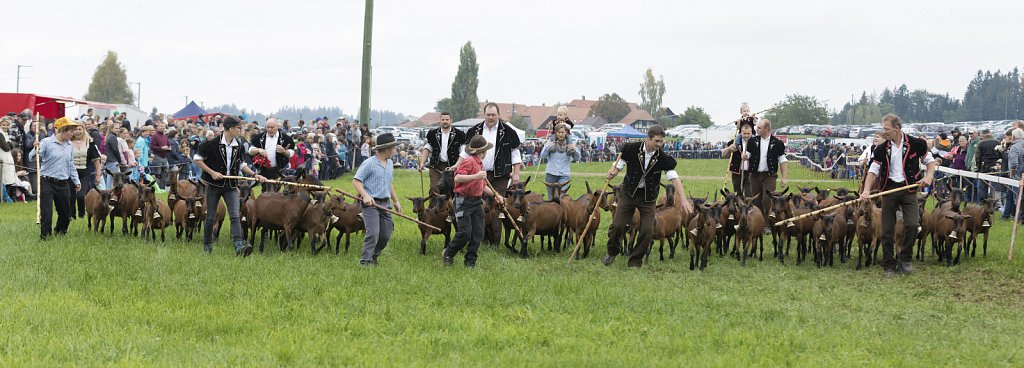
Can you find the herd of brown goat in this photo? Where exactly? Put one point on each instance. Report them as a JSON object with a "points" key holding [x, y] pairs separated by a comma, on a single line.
{"points": [[731, 224]]}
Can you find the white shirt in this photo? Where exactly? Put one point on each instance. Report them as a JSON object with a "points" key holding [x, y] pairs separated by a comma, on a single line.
{"points": [[445, 137], [270, 145], [669, 175], [491, 135], [896, 163], [228, 149], [763, 165]]}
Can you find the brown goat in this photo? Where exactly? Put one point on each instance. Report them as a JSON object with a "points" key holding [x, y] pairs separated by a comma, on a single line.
{"points": [[434, 209], [749, 228], [97, 205], [667, 222], [349, 220], [950, 231], [315, 221], [701, 232], [187, 216], [782, 208], [822, 236], [869, 231], [979, 221], [156, 215], [127, 201], [539, 218], [279, 212]]}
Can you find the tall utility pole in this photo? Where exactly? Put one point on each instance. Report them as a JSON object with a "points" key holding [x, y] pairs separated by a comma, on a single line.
{"points": [[17, 85], [364, 101], [138, 96], [186, 100]]}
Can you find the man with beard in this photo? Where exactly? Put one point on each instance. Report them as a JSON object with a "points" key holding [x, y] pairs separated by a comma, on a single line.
{"points": [[443, 148]]}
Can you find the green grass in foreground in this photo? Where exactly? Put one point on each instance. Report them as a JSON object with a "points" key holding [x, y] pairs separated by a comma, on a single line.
{"points": [[113, 300]]}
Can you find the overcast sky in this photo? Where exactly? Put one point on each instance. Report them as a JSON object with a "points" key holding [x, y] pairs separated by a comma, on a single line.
{"points": [[714, 54]]}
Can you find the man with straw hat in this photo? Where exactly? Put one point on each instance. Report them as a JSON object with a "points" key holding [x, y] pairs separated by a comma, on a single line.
{"points": [[58, 176], [373, 181], [470, 186]]}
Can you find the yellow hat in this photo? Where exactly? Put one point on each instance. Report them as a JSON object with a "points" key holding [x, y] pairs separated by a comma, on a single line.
{"points": [[63, 122]]}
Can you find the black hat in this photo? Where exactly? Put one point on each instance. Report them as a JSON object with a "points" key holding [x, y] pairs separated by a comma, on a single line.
{"points": [[230, 121], [384, 141]]}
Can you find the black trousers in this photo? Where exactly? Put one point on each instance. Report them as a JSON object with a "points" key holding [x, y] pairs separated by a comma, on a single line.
{"points": [[469, 214], [746, 183], [623, 217], [54, 193], [906, 201]]}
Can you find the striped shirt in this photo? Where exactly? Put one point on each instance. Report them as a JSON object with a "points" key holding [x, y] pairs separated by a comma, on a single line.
{"points": [[376, 177], [57, 160]]}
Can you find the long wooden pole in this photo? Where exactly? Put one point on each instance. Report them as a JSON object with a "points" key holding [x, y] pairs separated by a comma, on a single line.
{"points": [[342, 192], [505, 210], [39, 175], [1016, 216], [844, 204], [597, 207]]}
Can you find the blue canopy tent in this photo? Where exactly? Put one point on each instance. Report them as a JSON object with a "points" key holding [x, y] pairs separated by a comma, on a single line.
{"points": [[190, 111], [627, 132]]}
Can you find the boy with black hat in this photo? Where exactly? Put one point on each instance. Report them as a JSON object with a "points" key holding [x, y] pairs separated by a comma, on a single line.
{"points": [[219, 157], [373, 181], [470, 185]]}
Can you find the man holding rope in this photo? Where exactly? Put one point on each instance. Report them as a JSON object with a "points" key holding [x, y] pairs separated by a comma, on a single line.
{"points": [[219, 157], [443, 148], [896, 163], [644, 162]]}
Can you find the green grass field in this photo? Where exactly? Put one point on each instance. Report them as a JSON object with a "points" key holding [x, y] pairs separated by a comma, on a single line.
{"points": [[88, 300]]}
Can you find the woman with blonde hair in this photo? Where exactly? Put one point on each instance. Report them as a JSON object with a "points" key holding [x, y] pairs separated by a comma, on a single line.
{"points": [[86, 159]]}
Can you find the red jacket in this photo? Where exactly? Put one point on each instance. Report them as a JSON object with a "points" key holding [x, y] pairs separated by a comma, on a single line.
{"points": [[471, 165]]}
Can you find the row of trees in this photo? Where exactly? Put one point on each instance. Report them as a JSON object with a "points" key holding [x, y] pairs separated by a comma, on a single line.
{"points": [[989, 96]]}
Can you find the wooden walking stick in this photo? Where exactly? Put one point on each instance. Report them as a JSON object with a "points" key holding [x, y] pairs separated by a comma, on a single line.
{"points": [[344, 193], [844, 204], [421, 183], [505, 210], [597, 207], [1016, 216], [39, 175]]}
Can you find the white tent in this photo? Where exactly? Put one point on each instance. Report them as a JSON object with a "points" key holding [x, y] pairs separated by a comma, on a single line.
{"points": [[134, 115]]}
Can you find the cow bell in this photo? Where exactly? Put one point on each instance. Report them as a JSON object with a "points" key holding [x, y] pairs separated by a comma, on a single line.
{"points": [[919, 229], [334, 218], [138, 212], [731, 217], [111, 207], [156, 215], [822, 237], [243, 218], [191, 216], [501, 215], [986, 224], [694, 232], [737, 227], [952, 234], [448, 219], [849, 221], [359, 216], [718, 226], [772, 214], [790, 224], [170, 197], [520, 219]]}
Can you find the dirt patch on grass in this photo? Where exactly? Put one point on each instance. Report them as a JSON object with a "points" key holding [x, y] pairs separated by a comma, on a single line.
{"points": [[981, 287]]}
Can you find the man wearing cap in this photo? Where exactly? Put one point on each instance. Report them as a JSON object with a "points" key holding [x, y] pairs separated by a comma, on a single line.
{"points": [[373, 181], [216, 158], [58, 177], [443, 148], [504, 161]]}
